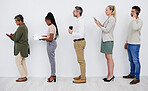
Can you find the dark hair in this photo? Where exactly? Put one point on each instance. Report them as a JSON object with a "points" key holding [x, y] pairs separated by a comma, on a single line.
{"points": [[79, 9], [19, 18], [51, 17], [137, 8]]}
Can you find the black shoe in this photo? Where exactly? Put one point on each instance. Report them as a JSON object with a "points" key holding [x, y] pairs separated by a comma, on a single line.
{"points": [[129, 77], [53, 79], [135, 81], [112, 79], [104, 79]]}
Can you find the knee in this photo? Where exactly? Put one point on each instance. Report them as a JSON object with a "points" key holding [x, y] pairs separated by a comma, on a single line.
{"points": [[18, 62], [81, 61], [108, 58]]}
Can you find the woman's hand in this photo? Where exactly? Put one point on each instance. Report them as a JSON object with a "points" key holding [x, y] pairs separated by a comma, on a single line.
{"points": [[9, 35], [44, 35], [98, 23], [48, 39], [43, 39]]}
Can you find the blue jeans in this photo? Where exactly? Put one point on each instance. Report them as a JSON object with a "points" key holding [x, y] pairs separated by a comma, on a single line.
{"points": [[133, 53]]}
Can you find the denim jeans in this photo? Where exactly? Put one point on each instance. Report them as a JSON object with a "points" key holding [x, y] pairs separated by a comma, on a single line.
{"points": [[133, 53], [51, 46]]}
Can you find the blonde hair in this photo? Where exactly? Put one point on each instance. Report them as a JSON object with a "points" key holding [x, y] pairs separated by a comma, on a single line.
{"points": [[112, 7]]}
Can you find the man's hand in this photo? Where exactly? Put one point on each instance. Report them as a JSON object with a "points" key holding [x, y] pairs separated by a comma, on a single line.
{"points": [[125, 46], [70, 31], [135, 15]]}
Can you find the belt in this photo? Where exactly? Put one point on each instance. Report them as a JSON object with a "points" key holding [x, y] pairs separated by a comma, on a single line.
{"points": [[78, 39]]}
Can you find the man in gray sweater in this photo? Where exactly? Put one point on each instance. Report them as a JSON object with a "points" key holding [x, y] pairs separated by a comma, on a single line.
{"points": [[133, 45]]}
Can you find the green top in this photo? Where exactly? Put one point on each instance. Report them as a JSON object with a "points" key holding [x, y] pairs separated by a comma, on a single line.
{"points": [[20, 39]]}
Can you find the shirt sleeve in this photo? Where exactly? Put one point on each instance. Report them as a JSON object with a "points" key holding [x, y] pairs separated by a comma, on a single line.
{"points": [[80, 32], [18, 34], [136, 25], [110, 24], [51, 30]]}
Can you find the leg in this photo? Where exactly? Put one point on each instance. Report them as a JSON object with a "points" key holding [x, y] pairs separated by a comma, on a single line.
{"points": [[79, 48], [24, 66], [135, 56], [19, 64], [132, 65], [51, 46], [110, 64]]}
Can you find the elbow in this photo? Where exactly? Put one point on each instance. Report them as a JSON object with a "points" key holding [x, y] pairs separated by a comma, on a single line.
{"points": [[106, 31], [136, 28], [50, 39]]}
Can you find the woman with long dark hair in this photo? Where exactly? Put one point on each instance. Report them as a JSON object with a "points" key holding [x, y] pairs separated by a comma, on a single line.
{"points": [[52, 35]]}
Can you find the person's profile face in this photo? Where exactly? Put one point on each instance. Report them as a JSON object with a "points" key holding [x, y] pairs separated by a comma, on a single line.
{"points": [[48, 22], [133, 11], [108, 11], [75, 12], [17, 22]]}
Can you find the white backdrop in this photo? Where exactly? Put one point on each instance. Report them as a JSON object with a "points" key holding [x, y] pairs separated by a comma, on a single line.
{"points": [[38, 65]]}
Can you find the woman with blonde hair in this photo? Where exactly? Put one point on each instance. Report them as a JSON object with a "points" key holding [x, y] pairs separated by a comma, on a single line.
{"points": [[107, 42]]}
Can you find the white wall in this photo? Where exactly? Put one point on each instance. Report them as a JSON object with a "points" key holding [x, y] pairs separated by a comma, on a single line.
{"points": [[38, 65]]}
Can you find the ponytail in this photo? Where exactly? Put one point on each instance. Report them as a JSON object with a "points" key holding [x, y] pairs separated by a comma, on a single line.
{"points": [[113, 8]]}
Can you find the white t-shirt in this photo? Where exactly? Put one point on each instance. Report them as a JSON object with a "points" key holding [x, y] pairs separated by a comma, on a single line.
{"points": [[52, 29]]}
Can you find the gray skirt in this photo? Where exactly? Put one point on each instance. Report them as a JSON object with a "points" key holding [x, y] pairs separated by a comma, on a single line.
{"points": [[107, 47]]}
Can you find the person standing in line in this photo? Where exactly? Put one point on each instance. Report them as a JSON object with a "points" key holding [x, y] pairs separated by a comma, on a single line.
{"points": [[52, 35], [79, 43], [133, 45], [21, 47], [108, 39]]}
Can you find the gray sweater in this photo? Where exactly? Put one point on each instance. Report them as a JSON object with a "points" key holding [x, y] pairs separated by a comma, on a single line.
{"points": [[134, 31], [107, 29]]}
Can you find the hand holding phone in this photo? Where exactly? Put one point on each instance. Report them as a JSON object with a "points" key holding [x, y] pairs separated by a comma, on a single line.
{"points": [[70, 27]]}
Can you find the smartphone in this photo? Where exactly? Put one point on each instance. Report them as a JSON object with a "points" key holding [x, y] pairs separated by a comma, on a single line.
{"points": [[71, 27], [95, 19], [137, 13]]}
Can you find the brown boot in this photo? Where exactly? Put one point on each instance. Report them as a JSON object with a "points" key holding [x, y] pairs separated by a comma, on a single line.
{"points": [[21, 79], [80, 81], [135, 81], [77, 78], [129, 76]]}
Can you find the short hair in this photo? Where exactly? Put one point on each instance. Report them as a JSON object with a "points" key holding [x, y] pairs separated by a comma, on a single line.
{"points": [[137, 8], [79, 9], [19, 18]]}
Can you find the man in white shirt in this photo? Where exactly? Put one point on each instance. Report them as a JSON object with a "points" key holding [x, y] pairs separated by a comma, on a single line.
{"points": [[133, 45], [79, 43]]}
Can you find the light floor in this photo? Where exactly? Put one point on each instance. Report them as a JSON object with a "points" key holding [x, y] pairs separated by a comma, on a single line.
{"points": [[65, 84]]}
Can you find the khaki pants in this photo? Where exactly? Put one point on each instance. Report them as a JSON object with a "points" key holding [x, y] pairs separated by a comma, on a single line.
{"points": [[21, 65], [79, 48]]}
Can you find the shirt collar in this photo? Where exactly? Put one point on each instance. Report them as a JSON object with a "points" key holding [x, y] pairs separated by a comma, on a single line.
{"points": [[22, 24], [79, 18]]}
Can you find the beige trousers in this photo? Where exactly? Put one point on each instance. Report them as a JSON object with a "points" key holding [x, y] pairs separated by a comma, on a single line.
{"points": [[21, 65], [79, 48]]}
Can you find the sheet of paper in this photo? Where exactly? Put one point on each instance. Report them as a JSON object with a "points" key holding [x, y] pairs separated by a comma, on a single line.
{"points": [[37, 37]]}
